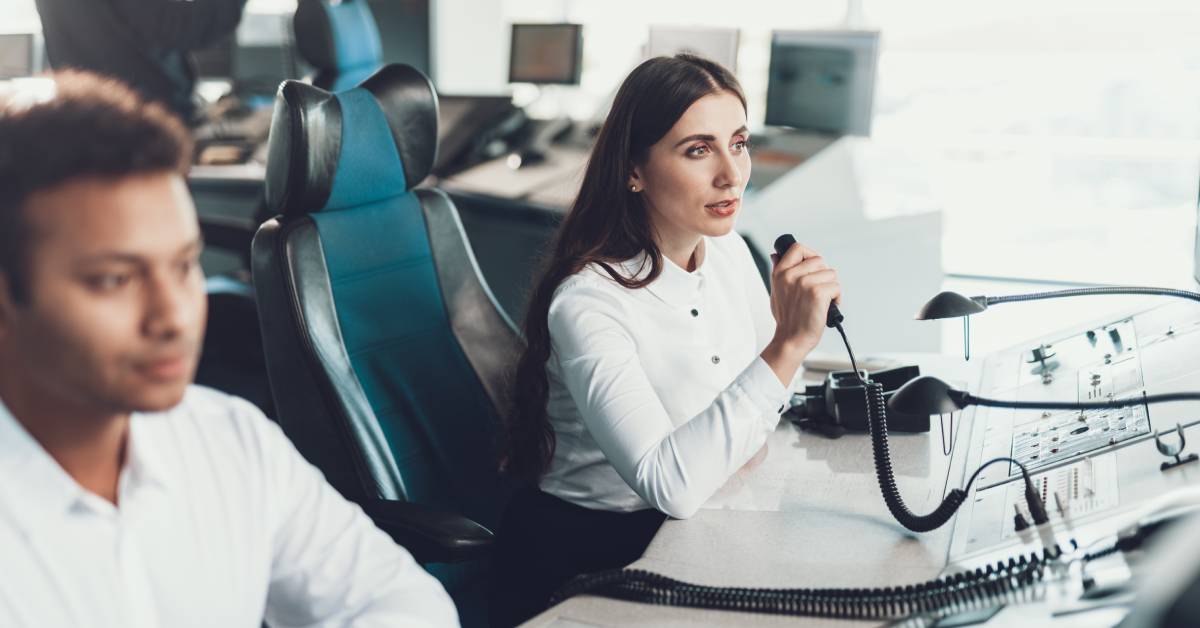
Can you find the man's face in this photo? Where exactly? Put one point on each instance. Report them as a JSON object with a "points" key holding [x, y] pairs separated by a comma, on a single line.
{"points": [[116, 308]]}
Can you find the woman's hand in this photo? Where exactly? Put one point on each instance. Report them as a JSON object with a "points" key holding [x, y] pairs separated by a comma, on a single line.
{"points": [[802, 287]]}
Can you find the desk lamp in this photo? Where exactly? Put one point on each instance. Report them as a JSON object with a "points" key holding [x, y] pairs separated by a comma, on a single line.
{"points": [[952, 304], [930, 395]]}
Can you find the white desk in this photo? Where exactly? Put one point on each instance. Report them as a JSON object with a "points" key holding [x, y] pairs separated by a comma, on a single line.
{"points": [[807, 513], [552, 183]]}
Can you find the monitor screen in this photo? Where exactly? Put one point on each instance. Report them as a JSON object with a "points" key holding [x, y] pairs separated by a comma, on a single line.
{"points": [[404, 27], [215, 61], [16, 55], [822, 80], [466, 124], [716, 44], [262, 56], [546, 54]]}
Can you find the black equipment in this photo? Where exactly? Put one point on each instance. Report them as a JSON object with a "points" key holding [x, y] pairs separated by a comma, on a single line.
{"points": [[970, 590], [839, 404]]}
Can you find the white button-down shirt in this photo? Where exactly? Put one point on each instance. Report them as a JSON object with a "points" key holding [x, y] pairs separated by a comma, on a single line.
{"points": [[657, 395], [219, 522]]}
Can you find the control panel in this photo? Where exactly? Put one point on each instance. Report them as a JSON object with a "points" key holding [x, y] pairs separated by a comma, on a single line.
{"points": [[1090, 467]]}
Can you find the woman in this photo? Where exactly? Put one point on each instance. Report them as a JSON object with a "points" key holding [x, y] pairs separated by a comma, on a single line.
{"points": [[656, 364]]}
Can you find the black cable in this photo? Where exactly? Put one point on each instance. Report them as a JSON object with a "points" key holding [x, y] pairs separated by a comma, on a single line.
{"points": [[853, 364], [877, 425], [957, 592], [946, 449], [969, 399]]}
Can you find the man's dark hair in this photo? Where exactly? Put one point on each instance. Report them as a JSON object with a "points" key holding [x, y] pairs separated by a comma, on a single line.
{"points": [[71, 124]]}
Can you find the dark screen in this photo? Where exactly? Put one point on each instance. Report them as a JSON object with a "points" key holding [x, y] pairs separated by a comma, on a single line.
{"points": [[404, 31], [545, 53], [215, 61], [822, 81]]}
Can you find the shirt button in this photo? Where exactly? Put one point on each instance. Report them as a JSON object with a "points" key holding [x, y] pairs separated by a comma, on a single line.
{"points": [[716, 359], [695, 312]]}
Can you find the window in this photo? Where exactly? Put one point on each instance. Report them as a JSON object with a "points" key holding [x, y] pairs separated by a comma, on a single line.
{"points": [[1061, 140]]}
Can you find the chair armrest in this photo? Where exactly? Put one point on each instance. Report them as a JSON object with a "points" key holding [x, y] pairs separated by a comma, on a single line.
{"points": [[431, 536]]}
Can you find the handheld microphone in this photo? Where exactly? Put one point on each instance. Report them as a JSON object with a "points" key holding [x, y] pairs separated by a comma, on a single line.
{"points": [[785, 242]]}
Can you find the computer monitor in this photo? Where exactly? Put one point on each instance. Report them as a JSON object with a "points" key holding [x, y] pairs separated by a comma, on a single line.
{"points": [[216, 61], [716, 44], [822, 81], [18, 55], [546, 54], [404, 31], [466, 124], [263, 56]]}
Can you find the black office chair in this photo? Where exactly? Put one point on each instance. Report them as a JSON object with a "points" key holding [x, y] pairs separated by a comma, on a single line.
{"points": [[340, 40], [387, 354]]}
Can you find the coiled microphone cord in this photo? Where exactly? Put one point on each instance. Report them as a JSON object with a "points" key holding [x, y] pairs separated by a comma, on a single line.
{"points": [[877, 423], [1001, 581]]}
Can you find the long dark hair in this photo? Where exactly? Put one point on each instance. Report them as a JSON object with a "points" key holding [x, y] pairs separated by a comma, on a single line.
{"points": [[607, 224]]}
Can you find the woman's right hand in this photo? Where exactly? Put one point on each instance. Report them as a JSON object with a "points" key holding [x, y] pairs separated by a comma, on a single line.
{"points": [[802, 287]]}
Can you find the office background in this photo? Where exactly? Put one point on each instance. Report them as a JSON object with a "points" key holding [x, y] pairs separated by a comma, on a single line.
{"points": [[1012, 147], [1060, 142]]}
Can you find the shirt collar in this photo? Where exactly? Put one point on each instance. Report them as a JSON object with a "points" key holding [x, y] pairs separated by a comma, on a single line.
{"points": [[675, 286], [37, 491], [33, 487], [143, 458]]}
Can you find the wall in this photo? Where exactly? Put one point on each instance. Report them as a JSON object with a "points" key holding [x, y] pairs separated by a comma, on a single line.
{"points": [[470, 44]]}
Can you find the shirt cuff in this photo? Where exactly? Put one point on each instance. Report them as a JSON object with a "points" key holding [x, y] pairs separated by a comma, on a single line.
{"points": [[764, 389]]}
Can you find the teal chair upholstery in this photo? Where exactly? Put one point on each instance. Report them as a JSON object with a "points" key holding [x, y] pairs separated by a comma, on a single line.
{"points": [[387, 355], [339, 39]]}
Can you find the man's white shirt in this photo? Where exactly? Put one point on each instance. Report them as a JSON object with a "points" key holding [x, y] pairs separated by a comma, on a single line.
{"points": [[658, 394], [219, 522]]}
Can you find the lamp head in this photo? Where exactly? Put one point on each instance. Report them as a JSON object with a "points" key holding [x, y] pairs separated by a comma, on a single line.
{"points": [[950, 305], [926, 395]]}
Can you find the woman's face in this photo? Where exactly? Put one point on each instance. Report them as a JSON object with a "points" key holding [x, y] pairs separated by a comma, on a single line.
{"points": [[693, 178]]}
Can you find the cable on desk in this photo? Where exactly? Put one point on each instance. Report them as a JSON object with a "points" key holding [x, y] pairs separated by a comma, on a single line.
{"points": [[877, 425], [968, 590]]}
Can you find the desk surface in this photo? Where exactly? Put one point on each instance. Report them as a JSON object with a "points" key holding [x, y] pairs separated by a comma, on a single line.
{"points": [[251, 172], [807, 512]]}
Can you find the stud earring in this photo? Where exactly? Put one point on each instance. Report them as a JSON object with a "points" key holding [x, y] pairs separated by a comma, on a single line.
{"points": [[633, 188]]}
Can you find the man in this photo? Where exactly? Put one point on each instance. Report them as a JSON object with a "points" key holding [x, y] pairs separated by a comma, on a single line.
{"points": [[128, 497], [142, 42]]}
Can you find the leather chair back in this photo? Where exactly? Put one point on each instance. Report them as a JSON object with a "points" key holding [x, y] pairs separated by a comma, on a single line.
{"points": [[387, 354], [339, 39]]}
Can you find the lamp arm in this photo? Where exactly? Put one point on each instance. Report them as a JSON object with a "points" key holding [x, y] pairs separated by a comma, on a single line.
{"points": [[969, 399], [1080, 292]]}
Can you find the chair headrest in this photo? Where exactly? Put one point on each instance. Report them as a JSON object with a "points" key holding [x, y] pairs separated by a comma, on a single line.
{"points": [[334, 35], [331, 151]]}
